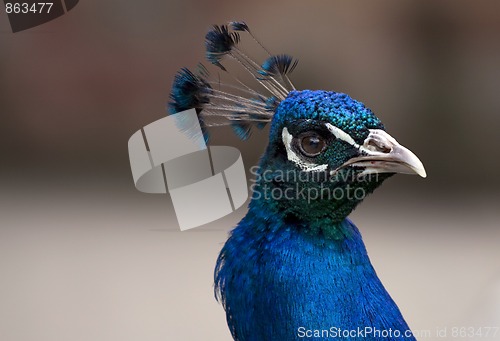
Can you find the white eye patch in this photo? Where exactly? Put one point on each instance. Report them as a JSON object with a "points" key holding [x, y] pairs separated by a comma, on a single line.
{"points": [[306, 165], [292, 156], [342, 135]]}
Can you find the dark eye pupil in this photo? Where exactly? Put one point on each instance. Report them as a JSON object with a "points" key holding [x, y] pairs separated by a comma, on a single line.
{"points": [[312, 145]]}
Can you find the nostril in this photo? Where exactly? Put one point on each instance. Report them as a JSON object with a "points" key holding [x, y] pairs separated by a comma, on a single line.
{"points": [[378, 146], [385, 149]]}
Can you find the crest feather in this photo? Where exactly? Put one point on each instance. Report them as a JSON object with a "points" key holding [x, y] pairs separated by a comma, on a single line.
{"points": [[219, 103]]}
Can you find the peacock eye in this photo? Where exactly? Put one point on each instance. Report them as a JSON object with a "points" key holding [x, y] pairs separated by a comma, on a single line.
{"points": [[312, 144]]}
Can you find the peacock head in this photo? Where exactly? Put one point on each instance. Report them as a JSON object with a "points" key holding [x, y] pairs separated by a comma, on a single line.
{"points": [[326, 151]]}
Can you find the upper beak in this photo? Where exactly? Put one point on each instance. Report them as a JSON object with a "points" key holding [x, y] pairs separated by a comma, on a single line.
{"points": [[383, 154]]}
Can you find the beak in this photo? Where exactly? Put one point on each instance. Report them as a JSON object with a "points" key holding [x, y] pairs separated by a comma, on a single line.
{"points": [[383, 154]]}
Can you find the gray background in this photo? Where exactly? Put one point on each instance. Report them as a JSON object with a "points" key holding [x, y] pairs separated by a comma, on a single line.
{"points": [[84, 256]]}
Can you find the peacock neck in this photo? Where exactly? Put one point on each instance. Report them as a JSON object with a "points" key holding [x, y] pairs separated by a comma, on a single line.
{"points": [[300, 263], [340, 241], [298, 278], [323, 220]]}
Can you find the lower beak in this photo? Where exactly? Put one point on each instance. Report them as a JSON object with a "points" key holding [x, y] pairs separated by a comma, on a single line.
{"points": [[383, 154]]}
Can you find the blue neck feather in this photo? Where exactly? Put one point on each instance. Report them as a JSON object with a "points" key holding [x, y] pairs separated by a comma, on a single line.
{"points": [[274, 278]]}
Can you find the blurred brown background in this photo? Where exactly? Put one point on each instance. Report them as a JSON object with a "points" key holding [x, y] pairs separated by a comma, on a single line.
{"points": [[84, 256]]}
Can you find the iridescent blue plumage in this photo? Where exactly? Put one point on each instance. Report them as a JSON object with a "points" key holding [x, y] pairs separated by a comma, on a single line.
{"points": [[214, 101], [218, 42], [296, 264], [278, 65], [337, 108], [239, 26], [278, 280], [189, 91], [242, 130]]}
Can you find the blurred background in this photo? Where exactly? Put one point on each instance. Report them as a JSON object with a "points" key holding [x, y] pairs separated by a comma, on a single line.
{"points": [[84, 256]]}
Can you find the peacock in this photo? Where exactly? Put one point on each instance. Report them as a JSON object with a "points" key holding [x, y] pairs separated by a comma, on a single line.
{"points": [[295, 267]]}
